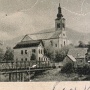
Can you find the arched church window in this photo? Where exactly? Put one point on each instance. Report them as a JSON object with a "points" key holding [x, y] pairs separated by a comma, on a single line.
{"points": [[51, 43], [64, 43], [63, 34]]}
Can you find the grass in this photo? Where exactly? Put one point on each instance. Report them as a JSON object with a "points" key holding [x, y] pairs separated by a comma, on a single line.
{"points": [[56, 75], [51, 75]]}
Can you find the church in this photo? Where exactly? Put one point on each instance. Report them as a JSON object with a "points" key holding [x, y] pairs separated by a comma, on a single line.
{"points": [[55, 38]]}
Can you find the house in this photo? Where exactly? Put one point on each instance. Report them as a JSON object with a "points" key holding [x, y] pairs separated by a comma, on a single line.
{"points": [[29, 50], [55, 38], [88, 56], [69, 59], [79, 54]]}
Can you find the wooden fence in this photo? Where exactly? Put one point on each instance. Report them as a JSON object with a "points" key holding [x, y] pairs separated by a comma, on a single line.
{"points": [[19, 70]]}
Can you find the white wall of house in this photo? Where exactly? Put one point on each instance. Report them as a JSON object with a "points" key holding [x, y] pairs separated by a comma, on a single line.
{"points": [[68, 60], [39, 52]]}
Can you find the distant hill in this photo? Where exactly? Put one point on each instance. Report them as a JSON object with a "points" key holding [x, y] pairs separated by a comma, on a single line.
{"points": [[72, 35], [13, 42]]}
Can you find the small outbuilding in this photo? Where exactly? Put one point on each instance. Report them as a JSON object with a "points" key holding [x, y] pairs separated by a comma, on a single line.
{"points": [[69, 59], [79, 54]]}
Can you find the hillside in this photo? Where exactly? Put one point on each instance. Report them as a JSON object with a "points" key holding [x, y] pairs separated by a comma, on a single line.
{"points": [[72, 35]]}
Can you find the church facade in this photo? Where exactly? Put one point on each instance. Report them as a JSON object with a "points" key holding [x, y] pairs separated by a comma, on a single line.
{"points": [[54, 38]]}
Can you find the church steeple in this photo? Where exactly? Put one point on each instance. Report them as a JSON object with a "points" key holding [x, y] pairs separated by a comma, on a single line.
{"points": [[60, 20], [59, 15]]}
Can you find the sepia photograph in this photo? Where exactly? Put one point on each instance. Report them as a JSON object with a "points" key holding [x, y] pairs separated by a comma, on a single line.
{"points": [[44, 41]]}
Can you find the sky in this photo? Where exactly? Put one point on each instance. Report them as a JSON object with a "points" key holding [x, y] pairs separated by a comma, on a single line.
{"points": [[20, 17]]}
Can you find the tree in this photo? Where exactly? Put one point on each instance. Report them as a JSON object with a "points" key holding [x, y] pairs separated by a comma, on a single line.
{"points": [[9, 54], [61, 54], [49, 53], [1, 54], [88, 53], [33, 57], [68, 68], [56, 55], [81, 44]]}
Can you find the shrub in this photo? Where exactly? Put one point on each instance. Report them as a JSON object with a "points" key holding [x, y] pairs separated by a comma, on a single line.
{"points": [[83, 70], [33, 57], [68, 68]]}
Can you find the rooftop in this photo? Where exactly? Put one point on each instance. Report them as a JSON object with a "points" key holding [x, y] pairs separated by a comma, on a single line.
{"points": [[78, 52], [43, 35], [72, 58], [25, 44]]}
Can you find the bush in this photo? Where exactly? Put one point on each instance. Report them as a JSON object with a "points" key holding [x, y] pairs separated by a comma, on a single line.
{"points": [[83, 70], [33, 57], [56, 55], [68, 68]]}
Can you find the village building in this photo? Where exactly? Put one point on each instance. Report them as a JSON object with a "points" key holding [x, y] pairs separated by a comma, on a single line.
{"points": [[29, 50], [34, 44], [69, 59], [79, 54]]}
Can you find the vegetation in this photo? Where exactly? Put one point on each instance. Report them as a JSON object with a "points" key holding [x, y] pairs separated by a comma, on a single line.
{"points": [[61, 54], [9, 55], [85, 70], [1, 54], [68, 68], [57, 55], [33, 57], [81, 44], [49, 53]]}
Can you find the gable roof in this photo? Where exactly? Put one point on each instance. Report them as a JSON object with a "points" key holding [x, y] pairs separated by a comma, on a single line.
{"points": [[71, 58], [43, 35], [78, 52], [25, 44]]}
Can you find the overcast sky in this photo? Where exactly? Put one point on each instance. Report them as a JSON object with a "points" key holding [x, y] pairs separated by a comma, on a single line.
{"points": [[20, 17]]}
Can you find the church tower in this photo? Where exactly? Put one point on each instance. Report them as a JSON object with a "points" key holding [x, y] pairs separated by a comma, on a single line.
{"points": [[59, 21]]}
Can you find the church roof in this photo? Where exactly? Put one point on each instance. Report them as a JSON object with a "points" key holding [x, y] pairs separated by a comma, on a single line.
{"points": [[44, 35], [25, 44]]}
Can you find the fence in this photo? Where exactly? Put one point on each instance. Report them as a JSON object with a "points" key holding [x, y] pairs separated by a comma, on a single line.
{"points": [[19, 70], [24, 64]]}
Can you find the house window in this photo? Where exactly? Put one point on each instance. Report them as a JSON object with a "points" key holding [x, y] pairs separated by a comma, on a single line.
{"points": [[64, 43], [16, 59], [25, 51], [21, 59], [21, 51], [25, 59], [55, 45], [39, 58], [39, 51], [51, 43], [63, 34], [33, 50]]}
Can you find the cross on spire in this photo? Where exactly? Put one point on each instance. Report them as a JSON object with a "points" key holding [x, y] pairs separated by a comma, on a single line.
{"points": [[59, 15], [59, 4]]}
